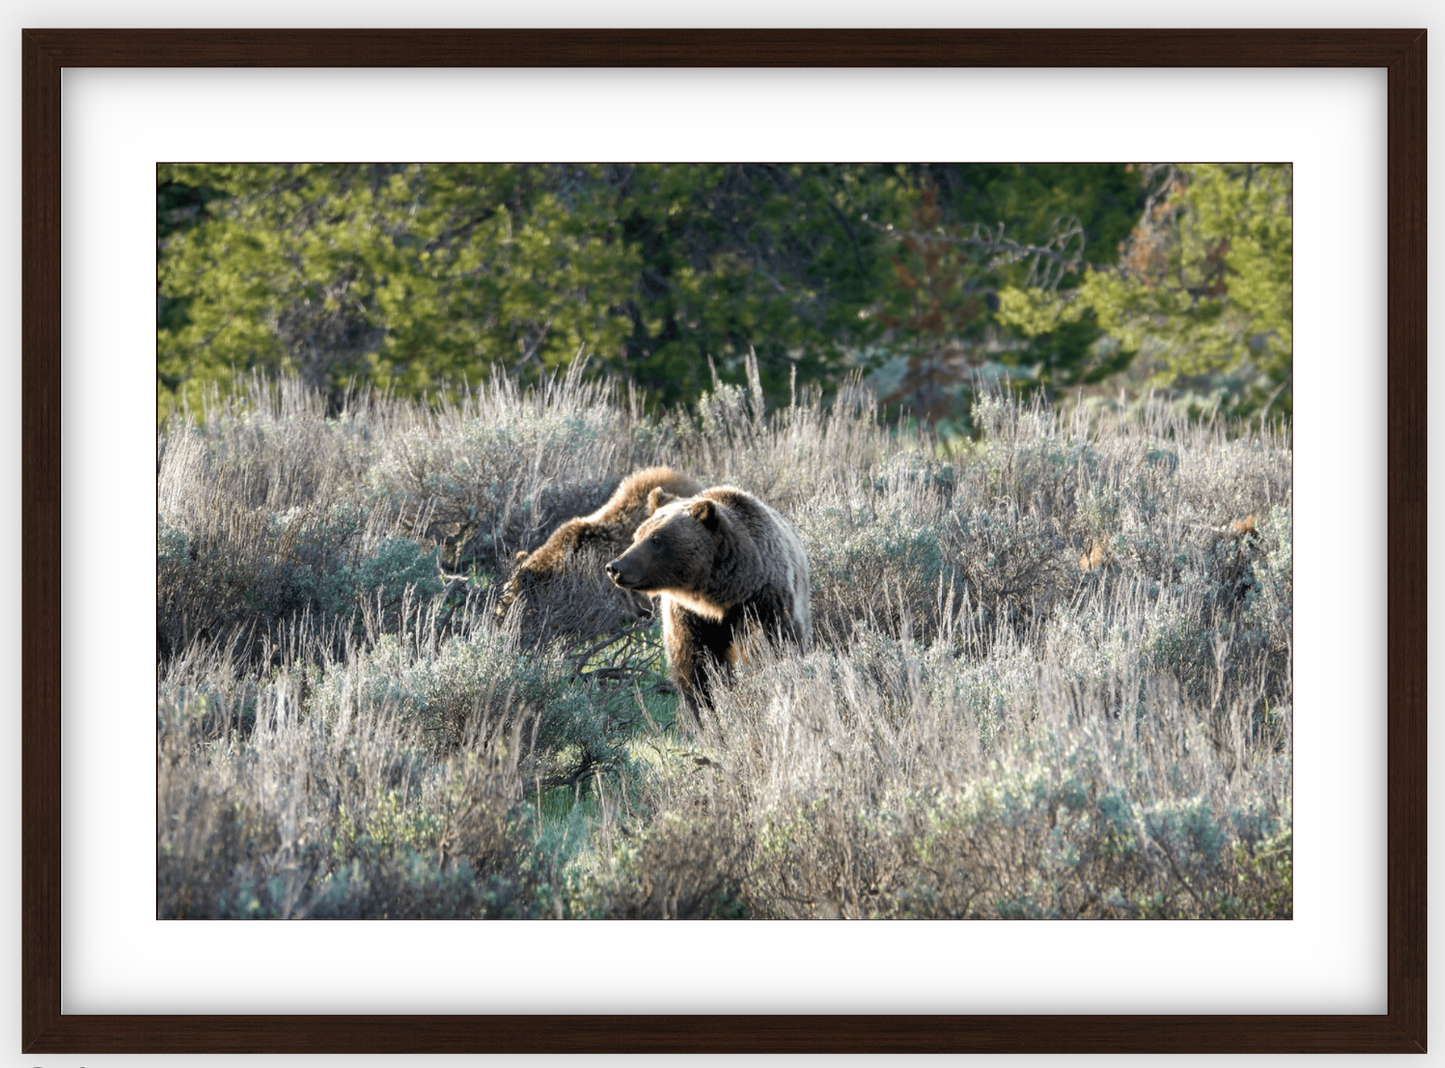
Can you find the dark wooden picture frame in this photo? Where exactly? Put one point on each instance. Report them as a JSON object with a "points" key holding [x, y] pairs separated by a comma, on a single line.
{"points": [[45, 1030]]}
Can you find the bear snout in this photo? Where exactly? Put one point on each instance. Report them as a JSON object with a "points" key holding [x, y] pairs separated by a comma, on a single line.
{"points": [[634, 568], [615, 573]]}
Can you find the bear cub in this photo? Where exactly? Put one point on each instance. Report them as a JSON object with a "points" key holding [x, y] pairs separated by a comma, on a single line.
{"points": [[725, 565], [556, 581]]}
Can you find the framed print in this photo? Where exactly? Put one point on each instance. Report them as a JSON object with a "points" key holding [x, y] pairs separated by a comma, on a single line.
{"points": [[64, 1013]]}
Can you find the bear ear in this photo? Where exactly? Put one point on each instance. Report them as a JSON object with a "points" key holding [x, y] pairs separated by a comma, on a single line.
{"points": [[522, 554], [705, 512], [657, 498]]}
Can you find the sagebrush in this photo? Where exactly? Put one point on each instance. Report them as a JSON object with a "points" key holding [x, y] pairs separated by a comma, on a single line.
{"points": [[1051, 678]]}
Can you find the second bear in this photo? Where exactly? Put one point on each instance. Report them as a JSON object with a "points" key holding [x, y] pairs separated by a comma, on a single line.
{"points": [[723, 563], [554, 585]]}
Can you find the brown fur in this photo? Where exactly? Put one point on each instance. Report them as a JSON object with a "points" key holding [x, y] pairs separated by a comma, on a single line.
{"points": [[550, 575], [723, 562]]}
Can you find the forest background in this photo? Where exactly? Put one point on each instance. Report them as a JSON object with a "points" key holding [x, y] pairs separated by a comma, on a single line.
{"points": [[931, 280]]}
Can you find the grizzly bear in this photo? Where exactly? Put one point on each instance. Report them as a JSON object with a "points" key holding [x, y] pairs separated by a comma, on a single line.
{"points": [[725, 565], [561, 587]]}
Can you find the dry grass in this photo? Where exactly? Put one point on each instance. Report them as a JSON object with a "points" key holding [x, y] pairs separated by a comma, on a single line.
{"points": [[1053, 674]]}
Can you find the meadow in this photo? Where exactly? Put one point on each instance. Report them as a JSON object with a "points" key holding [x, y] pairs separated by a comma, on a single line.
{"points": [[1051, 674]]}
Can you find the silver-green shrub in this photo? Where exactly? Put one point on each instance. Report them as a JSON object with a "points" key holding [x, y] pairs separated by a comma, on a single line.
{"points": [[1052, 674]]}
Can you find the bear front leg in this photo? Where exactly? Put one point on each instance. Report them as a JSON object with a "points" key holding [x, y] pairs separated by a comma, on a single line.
{"points": [[695, 645], [771, 612]]}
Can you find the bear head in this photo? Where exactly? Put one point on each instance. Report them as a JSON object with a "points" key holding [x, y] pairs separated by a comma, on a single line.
{"points": [[673, 549]]}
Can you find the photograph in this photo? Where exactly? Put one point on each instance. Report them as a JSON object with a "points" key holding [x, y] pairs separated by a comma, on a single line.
{"points": [[769, 473], [724, 540]]}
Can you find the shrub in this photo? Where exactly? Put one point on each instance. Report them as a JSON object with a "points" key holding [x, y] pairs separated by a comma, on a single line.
{"points": [[1052, 674], [501, 471]]}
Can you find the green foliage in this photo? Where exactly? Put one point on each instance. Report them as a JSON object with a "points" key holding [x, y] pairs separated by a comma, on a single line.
{"points": [[420, 278], [1029, 198], [974, 230], [417, 278], [1073, 353], [403, 277], [1204, 289], [733, 258]]}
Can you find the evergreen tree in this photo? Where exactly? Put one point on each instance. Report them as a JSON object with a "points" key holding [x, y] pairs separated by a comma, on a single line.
{"points": [[420, 278], [1203, 290]]}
